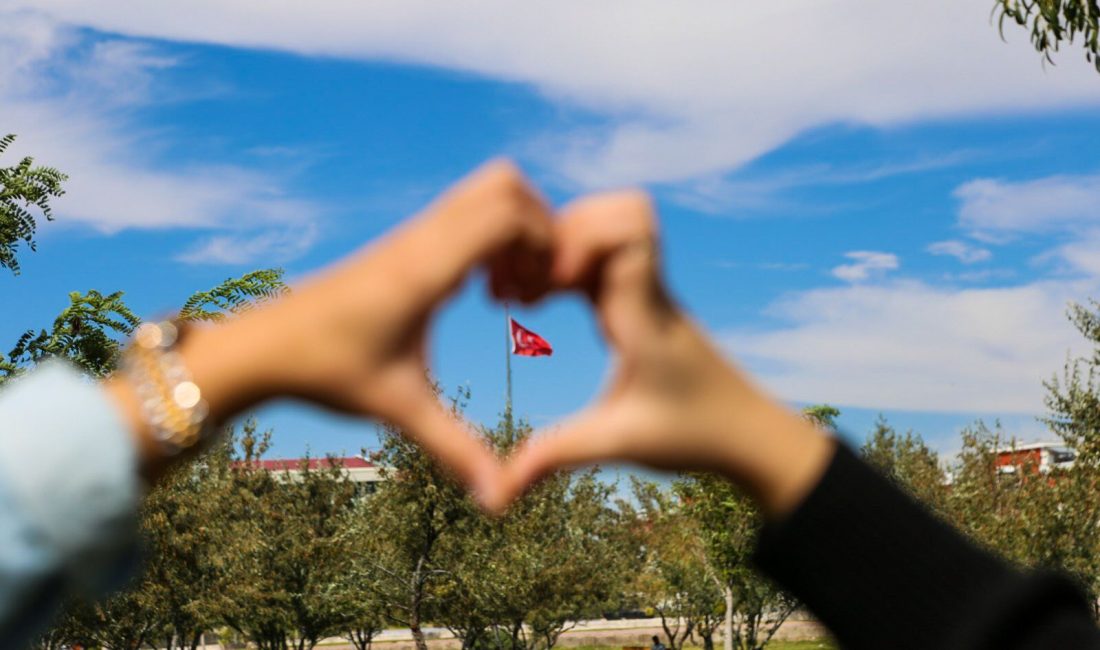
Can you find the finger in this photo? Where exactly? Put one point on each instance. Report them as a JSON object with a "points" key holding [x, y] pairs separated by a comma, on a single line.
{"points": [[520, 273], [589, 437], [593, 228], [445, 436], [492, 212]]}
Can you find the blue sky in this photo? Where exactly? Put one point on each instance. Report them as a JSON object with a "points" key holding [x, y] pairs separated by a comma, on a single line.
{"points": [[892, 223]]}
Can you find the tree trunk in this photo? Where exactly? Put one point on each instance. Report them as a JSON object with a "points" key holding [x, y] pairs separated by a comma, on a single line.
{"points": [[361, 639], [670, 633], [414, 626], [708, 640], [727, 623], [516, 629]]}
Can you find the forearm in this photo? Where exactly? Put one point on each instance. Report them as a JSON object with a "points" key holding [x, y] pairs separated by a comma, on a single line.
{"points": [[68, 496]]}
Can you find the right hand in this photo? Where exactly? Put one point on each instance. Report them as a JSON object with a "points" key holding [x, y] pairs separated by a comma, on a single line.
{"points": [[673, 402]]}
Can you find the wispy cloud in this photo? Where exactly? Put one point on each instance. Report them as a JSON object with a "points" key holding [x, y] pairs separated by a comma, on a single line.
{"points": [[71, 100], [268, 247], [997, 208], [1081, 256], [865, 265], [763, 266], [770, 192], [960, 250]]}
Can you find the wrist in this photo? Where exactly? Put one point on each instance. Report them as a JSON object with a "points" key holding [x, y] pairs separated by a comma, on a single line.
{"points": [[771, 451], [226, 365], [235, 365], [152, 461]]}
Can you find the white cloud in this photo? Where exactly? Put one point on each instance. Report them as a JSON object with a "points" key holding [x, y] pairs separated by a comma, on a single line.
{"points": [[865, 265], [960, 250], [266, 247], [1082, 255], [911, 346], [690, 90], [70, 100], [996, 208], [733, 193]]}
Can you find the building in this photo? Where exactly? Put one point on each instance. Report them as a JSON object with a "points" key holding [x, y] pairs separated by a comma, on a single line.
{"points": [[365, 474], [1039, 456]]}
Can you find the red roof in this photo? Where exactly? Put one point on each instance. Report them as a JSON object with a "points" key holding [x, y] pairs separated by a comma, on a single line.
{"points": [[294, 464]]}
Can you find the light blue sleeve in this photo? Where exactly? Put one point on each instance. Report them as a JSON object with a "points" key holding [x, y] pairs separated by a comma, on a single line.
{"points": [[69, 493]]}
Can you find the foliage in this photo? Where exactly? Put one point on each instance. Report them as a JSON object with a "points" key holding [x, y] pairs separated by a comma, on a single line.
{"points": [[1074, 407], [183, 525], [287, 550], [519, 581], [90, 331], [728, 523], [124, 621], [87, 332], [234, 295], [1053, 22], [1074, 399], [353, 591], [674, 576], [906, 460], [822, 415], [24, 188], [417, 505]]}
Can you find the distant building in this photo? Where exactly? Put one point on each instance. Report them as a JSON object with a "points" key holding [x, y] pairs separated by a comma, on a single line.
{"points": [[365, 474], [1038, 456]]}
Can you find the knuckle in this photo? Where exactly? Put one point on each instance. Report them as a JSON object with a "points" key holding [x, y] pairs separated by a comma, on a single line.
{"points": [[503, 174]]}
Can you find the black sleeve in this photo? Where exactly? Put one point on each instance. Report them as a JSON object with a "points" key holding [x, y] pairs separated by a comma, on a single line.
{"points": [[880, 571]]}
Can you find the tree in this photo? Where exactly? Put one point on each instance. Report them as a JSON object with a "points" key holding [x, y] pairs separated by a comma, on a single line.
{"points": [[822, 415], [288, 552], [518, 582], [24, 188], [125, 621], [1074, 414], [1053, 22], [87, 333], [234, 296], [362, 609], [910, 463], [675, 578], [1074, 399], [417, 505], [183, 523], [179, 517], [728, 523], [91, 330]]}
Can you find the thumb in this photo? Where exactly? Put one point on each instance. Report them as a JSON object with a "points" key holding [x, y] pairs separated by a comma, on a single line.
{"points": [[446, 437], [591, 436]]}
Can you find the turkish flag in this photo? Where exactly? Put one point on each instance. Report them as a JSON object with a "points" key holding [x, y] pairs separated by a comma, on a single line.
{"points": [[526, 343]]}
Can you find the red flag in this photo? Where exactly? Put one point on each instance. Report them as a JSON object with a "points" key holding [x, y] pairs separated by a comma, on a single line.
{"points": [[526, 343]]}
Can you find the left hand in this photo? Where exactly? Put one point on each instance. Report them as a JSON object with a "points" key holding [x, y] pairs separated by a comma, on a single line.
{"points": [[354, 337]]}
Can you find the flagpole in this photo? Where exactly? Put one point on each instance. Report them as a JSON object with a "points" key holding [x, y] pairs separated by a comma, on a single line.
{"points": [[508, 365]]}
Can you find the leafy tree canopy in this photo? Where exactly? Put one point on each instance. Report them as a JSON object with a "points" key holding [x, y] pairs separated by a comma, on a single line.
{"points": [[24, 188], [1053, 22]]}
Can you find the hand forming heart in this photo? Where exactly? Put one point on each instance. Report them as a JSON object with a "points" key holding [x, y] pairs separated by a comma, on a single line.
{"points": [[353, 338]]}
